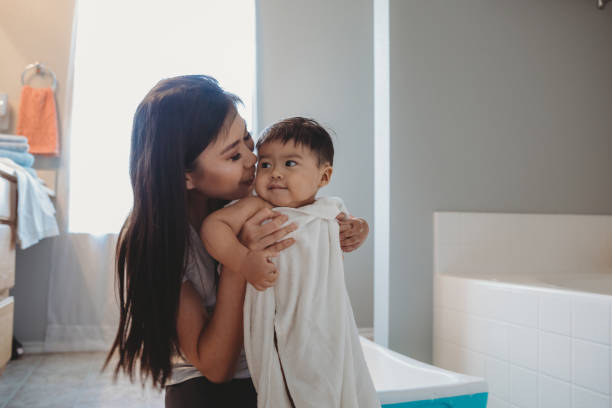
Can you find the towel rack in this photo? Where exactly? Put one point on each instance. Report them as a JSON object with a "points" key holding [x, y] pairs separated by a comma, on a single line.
{"points": [[40, 70]]}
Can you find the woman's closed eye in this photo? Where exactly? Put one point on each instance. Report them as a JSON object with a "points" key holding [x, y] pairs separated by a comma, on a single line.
{"points": [[249, 141], [235, 157]]}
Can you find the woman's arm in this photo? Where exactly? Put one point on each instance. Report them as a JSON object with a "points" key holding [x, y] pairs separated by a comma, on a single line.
{"points": [[212, 343]]}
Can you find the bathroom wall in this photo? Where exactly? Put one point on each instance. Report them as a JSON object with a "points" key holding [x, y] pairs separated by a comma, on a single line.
{"points": [[496, 106], [523, 300], [316, 59], [33, 31], [30, 31]]}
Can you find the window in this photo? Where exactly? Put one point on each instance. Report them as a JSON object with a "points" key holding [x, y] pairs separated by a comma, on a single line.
{"points": [[122, 49]]}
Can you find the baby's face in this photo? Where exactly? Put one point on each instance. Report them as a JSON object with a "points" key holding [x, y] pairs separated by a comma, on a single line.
{"points": [[289, 175]]}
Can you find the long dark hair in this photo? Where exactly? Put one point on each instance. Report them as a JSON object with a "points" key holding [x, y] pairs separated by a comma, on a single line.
{"points": [[173, 124]]}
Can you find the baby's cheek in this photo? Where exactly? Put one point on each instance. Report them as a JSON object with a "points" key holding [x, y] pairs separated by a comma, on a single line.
{"points": [[259, 187]]}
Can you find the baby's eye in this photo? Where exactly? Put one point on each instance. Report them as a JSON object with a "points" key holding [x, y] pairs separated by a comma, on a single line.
{"points": [[290, 163], [264, 165], [235, 157]]}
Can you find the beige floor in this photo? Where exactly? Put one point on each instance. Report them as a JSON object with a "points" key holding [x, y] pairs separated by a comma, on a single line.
{"points": [[70, 380]]}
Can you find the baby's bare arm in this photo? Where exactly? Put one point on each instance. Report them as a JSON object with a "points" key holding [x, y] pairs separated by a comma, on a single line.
{"points": [[220, 230]]}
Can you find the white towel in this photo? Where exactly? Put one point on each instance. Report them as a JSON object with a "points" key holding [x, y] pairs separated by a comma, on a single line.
{"points": [[318, 343], [35, 211]]}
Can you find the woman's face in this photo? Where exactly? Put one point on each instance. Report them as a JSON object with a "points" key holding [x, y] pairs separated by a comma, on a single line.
{"points": [[226, 168]]}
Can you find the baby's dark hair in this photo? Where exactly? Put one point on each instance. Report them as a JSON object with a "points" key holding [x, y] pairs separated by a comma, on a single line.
{"points": [[302, 131]]}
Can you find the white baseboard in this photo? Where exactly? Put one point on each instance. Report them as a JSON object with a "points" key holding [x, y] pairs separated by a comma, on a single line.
{"points": [[367, 332], [33, 347]]}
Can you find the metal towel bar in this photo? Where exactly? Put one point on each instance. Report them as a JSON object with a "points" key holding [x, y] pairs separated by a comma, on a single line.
{"points": [[40, 70]]}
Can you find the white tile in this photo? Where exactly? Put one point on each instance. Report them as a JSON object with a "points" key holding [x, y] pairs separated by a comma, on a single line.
{"points": [[476, 298], [451, 292], [523, 387], [554, 393], [498, 377], [591, 366], [523, 308], [448, 355], [474, 334], [444, 291], [449, 258], [447, 228], [452, 357], [582, 398], [486, 228], [496, 340], [472, 363], [555, 355], [591, 319], [491, 257], [494, 402], [555, 313], [523, 346], [450, 324], [493, 298]]}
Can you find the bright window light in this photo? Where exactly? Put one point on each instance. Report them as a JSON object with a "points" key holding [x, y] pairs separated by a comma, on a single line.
{"points": [[122, 49]]}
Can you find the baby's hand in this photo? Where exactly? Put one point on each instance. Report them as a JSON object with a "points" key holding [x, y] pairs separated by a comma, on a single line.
{"points": [[258, 269], [353, 232]]}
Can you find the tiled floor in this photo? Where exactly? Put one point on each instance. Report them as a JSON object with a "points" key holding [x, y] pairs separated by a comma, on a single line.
{"points": [[70, 380]]}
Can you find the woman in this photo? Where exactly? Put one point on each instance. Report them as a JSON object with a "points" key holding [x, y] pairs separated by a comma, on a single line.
{"points": [[181, 321]]}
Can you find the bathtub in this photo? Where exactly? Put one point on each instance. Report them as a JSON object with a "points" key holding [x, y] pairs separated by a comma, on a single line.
{"points": [[525, 301], [402, 382]]}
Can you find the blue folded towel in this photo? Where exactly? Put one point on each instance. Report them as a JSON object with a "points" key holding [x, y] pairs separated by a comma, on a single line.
{"points": [[20, 158], [13, 138], [14, 147]]}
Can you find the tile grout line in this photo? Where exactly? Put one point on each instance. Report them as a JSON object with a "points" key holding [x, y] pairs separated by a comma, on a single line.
{"points": [[90, 379], [21, 384]]}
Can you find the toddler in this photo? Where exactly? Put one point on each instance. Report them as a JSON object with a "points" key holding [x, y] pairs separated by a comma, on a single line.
{"points": [[300, 339]]}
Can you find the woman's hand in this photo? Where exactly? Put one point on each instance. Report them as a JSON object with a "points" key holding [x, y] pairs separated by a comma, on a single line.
{"points": [[353, 232], [258, 236], [259, 270], [262, 239]]}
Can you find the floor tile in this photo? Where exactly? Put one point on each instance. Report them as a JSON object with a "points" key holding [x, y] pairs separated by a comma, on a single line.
{"points": [[72, 380]]}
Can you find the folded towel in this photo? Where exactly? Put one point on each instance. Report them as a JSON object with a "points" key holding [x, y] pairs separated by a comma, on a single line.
{"points": [[13, 138], [38, 120], [14, 147], [35, 211], [21, 158], [309, 312]]}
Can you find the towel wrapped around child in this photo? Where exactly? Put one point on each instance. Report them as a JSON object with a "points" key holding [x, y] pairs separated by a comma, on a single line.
{"points": [[308, 315]]}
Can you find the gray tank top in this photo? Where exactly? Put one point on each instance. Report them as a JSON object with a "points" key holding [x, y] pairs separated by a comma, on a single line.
{"points": [[201, 272]]}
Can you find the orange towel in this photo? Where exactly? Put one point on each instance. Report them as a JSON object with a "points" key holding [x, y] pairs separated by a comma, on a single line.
{"points": [[38, 120]]}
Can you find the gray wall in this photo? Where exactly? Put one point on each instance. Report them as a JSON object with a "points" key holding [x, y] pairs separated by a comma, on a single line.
{"points": [[495, 106], [315, 59]]}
